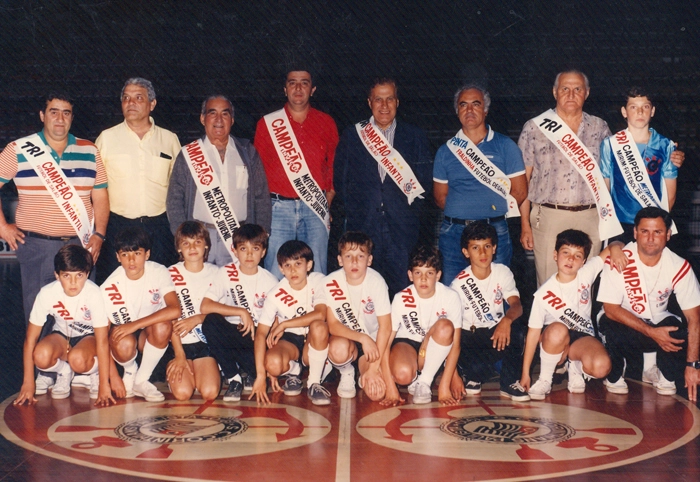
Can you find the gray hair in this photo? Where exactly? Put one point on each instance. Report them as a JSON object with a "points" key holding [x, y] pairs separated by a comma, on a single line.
{"points": [[141, 82], [572, 71], [217, 96], [484, 92]]}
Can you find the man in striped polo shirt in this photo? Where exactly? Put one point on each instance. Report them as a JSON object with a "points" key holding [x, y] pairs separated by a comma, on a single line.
{"points": [[42, 226]]}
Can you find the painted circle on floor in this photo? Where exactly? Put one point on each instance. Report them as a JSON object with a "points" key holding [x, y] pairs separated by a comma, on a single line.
{"points": [[158, 434]]}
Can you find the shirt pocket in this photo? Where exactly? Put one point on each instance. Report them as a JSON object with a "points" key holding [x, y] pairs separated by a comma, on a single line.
{"points": [[158, 170]]}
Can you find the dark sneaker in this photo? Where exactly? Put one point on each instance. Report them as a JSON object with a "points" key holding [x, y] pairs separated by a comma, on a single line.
{"points": [[515, 392], [319, 395], [472, 387], [233, 392], [247, 384], [292, 386]]}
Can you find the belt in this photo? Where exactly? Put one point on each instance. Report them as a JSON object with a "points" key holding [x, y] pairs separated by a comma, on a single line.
{"points": [[274, 195], [142, 219], [467, 222], [65, 239], [563, 207]]}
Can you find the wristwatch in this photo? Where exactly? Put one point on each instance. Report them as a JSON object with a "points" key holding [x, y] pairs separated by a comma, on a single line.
{"points": [[693, 364]]}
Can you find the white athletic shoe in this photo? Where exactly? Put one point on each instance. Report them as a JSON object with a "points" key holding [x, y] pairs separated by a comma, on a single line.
{"points": [[148, 391], [42, 384], [540, 389], [412, 386], [620, 387], [128, 379], [651, 375], [94, 384], [346, 386], [576, 382], [61, 389], [665, 387], [80, 381], [422, 393]]}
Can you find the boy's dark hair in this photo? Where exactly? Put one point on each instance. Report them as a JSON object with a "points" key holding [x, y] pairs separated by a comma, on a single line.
{"points": [[250, 233], [635, 91], [74, 258], [355, 239], [477, 232], [192, 229], [574, 237], [425, 255], [294, 249], [652, 212], [132, 239]]}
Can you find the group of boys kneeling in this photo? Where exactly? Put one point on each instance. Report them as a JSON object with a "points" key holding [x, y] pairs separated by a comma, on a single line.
{"points": [[238, 321]]}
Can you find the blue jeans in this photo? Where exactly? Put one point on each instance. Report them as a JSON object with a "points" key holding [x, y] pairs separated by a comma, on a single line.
{"points": [[453, 261], [292, 219]]}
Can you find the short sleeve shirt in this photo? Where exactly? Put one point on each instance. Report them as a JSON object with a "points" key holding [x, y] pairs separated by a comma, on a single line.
{"points": [[286, 303], [73, 315], [412, 316]]}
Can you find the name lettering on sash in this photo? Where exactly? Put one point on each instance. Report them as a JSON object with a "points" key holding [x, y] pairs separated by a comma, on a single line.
{"points": [[478, 304], [635, 285], [342, 308], [119, 313], [557, 308], [409, 315], [184, 296], [285, 297], [62, 311]]}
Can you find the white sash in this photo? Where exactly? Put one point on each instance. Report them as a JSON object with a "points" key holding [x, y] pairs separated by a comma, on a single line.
{"points": [[478, 304], [390, 160], [634, 171], [339, 302], [187, 306], [61, 190], [408, 310], [209, 187], [238, 293], [483, 169], [292, 159], [635, 284], [115, 303], [288, 306], [561, 135], [558, 309]]}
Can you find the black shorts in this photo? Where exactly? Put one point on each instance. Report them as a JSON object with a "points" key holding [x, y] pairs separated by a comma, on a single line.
{"points": [[576, 335], [360, 351], [296, 340], [196, 350], [73, 340], [415, 344]]}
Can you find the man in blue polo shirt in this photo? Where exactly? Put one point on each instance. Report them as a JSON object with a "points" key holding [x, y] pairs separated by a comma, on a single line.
{"points": [[468, 189]]}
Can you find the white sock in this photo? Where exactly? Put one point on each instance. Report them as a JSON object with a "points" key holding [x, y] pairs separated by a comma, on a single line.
{"points": [[57, 368], [649, 360], [435, 355], [294, 368], [93, 369], [317, 359], [149, 360], [548, 363], [236, 378]]}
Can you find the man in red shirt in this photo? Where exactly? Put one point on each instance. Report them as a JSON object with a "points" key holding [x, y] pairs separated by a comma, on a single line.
{"points": [[297, 148]]}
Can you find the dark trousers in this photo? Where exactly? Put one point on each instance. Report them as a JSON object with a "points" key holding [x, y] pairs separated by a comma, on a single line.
{"points": [[163, 249], [623, 342], [390, 257], [233, 352], [478, 356]]}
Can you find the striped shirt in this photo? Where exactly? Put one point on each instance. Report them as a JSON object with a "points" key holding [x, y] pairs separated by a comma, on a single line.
{"points": [[37, 211]]}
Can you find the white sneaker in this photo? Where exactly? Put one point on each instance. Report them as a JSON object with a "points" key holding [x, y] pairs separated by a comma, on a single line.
{"points": [[346, 386], [148, 391], [540, 389], [412, 386], [576, 382], [128, 379], [422, 393], [94, 384], [42, 384], [619, 387], [665, 387], [80, 381], [651, 375], [61, 389]]}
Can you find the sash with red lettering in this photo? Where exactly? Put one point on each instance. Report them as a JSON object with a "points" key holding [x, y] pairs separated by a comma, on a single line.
{"points": [[115, 303], [635, 284], [292, 159], [61, 190], [560, 311], [635, 174], [390, 159], [339, 301], [238, 295], [408, 310], [477, 303], [187, 306], [568, 143], [483, 170], [209, 188]]}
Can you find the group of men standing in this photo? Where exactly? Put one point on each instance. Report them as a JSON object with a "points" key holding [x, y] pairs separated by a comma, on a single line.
{"points": [[137, 173]]}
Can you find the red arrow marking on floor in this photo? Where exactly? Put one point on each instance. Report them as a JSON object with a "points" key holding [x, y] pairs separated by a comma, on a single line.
{"points": [[393, 427], [162, 452], [589, 443], [98, 442], [527, 453]]}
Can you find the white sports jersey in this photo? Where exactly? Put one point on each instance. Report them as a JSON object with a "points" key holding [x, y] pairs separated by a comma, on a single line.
{"points": [[672, 274], [412, 316], [368, 300], [74, 315], [142, 297], [286, 303], [233, 288], [190, 288], [571, 302], [487, 295]]}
